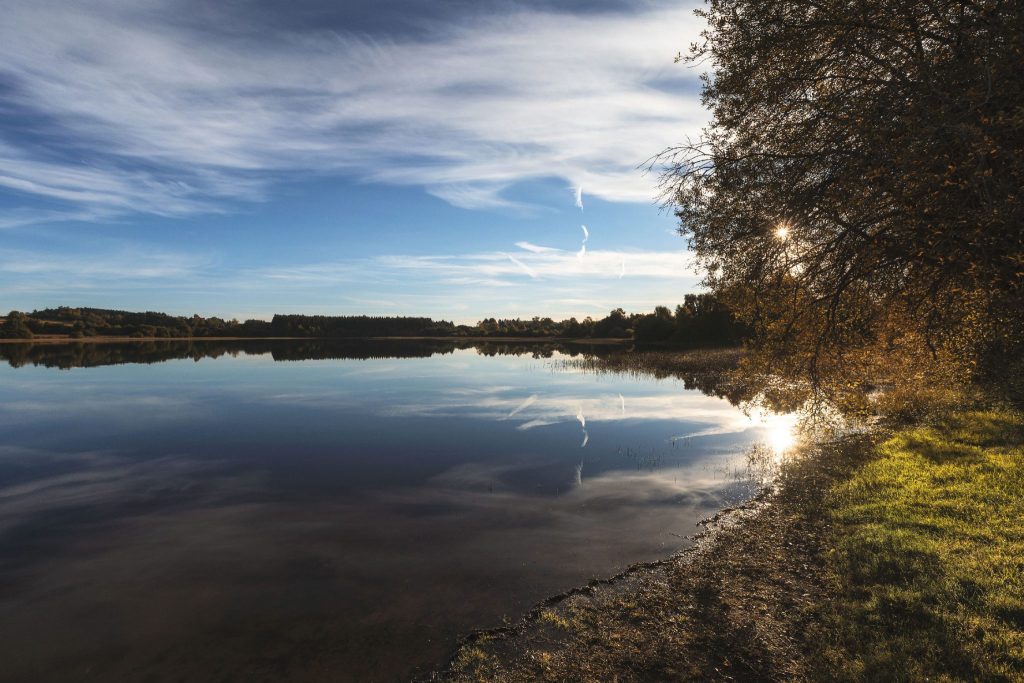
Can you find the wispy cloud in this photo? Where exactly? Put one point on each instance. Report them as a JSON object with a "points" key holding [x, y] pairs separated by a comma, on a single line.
{"points": [[139, 111], [522, 266], [546, 262], [535, 248], [123, 264], [530, 280]]}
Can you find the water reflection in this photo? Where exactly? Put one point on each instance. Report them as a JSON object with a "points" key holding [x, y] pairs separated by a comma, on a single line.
{"points": [[99, 353], [328, 519], [780, 432]]}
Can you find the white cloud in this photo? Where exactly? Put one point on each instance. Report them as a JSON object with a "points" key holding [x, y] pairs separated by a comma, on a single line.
{"points": [[522, 266], [545, 262], [535, 248], [157, 117], [104, 191], [122, 265], [532, 280]]}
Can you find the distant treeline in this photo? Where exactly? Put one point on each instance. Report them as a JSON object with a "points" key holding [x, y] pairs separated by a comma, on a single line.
{"points": [[699, 321]]}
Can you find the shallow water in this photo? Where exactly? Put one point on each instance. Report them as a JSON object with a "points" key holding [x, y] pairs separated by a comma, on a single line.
{"points": [[250, 518]]}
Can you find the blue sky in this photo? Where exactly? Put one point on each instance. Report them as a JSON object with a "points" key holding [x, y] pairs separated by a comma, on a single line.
{"points": [[391, 157]]}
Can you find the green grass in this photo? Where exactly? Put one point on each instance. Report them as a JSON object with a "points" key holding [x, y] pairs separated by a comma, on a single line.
{"points": [[927, 552]]}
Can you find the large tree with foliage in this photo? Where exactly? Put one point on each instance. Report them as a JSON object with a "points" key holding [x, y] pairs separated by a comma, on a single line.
{"points": [[860, 185]]}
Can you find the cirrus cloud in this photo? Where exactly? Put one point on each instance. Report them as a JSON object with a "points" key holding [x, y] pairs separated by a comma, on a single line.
{"points": [[113, 107]]}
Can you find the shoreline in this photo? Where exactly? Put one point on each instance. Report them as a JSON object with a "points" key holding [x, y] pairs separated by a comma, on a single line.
{"points": [[731, 603], [698, 546], [876, 555]]}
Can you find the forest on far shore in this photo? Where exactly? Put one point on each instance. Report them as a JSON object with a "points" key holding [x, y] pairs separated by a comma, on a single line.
{"points": [[701, 320]]}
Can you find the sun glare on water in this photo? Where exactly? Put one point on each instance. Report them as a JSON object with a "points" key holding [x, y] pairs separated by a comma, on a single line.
{"points": [[781, 435], [779, 431]]}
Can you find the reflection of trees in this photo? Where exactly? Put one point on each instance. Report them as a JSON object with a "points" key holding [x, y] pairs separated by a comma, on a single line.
{"points": [[360, 350], [709, 371], [118, 353], [540, 350], [83, 355]]}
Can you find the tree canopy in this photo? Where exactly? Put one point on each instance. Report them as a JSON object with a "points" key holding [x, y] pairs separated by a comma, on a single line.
{"points": [[700, 321], [857, 194]]}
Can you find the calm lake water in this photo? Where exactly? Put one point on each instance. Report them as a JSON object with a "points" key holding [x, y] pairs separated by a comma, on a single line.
{"points": [[247, 517]]}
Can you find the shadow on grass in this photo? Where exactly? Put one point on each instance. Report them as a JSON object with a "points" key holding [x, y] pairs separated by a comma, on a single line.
{"points": [[926, 558]]}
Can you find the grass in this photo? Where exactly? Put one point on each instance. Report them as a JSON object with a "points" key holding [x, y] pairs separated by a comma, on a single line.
{"points": [[554, 618], [927, 554]]}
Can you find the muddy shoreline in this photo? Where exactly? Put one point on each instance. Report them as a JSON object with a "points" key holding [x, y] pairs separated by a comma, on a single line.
{"points": [[736, 604], [711, 528]]}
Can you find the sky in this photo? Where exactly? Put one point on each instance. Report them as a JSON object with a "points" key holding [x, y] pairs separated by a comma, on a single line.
{"points": [[242, 158]]}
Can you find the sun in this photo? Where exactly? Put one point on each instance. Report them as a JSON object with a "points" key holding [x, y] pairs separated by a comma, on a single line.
{"points": [[782, 232], [780, 436], [779, 431]]}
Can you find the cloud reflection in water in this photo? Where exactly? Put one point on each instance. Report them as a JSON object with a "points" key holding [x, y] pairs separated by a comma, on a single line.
{"points": [[187, 514]]}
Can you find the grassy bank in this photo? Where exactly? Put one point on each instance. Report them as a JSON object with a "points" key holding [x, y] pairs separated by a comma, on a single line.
{"points": [[876, 558], [927, 557]]}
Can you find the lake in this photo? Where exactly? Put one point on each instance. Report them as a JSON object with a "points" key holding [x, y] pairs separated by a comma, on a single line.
{"points": [[280, 511]]}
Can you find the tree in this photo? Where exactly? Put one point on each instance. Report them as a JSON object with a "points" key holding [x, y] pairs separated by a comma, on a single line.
{"points": [[860, 185], [15, 326], [615, 325], [655, 328]]}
